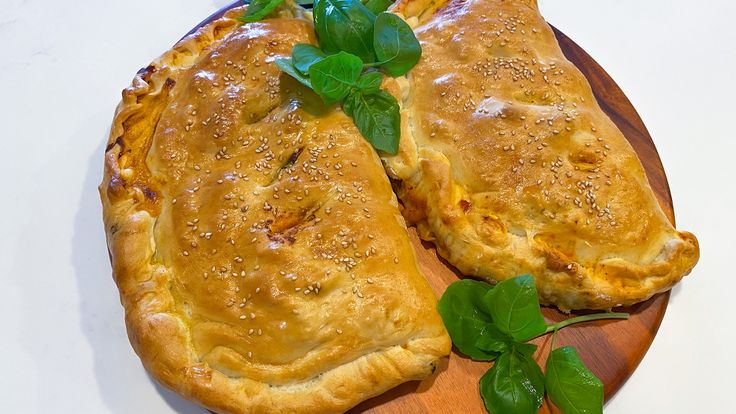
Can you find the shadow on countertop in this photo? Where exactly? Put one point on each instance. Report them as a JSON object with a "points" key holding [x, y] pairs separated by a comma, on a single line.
{"points": [[102, 316]]}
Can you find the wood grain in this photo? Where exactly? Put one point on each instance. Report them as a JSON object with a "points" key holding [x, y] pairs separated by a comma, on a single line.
{"points": [[612, 350]]}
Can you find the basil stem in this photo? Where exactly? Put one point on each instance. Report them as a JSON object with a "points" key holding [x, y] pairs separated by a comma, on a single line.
{"points": [[585, 318]]}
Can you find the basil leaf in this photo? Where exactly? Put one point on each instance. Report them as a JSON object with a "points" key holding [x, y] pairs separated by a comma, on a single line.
{"points": [[526, 349], [377, 6], [397, 48], [287, 66], [345, 25], [305, 55], [465, 316], [319, 15], [570, 385], [514, 306], [258, 9], [377, 117], [515, 384], [370, 82], [491, 339], [334, 76]]}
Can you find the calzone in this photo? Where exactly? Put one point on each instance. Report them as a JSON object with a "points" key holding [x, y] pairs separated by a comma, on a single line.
{"points": [[259, 250], [510, 166]]}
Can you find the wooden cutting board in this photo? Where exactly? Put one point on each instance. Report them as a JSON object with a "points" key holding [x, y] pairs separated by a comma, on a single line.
{"points": [[612, 350]]}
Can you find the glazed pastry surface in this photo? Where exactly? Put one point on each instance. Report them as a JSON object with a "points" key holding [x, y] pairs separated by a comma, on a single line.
{"points": [[260, 254], [509, 166]]}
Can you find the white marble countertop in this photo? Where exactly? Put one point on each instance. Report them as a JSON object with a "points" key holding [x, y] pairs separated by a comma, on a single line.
{"points": [[62, 338]]}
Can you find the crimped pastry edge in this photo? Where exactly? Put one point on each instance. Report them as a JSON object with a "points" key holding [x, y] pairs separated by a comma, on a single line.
{"points": [[161, 338], [441, 221]]}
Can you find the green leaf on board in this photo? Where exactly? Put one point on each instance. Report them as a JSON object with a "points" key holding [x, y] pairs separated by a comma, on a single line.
{"points": [[466, 315], [515, 384], [573, 388], [514, 306]]}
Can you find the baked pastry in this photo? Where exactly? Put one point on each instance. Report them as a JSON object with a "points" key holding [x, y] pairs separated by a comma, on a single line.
{"points": [[243, 230], [510, 166]]}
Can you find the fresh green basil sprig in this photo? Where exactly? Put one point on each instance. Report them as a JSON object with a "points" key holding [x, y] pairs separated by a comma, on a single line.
{"points": [[570, 384], [494, 323], [258, 9], [345, 25], [356, 42]]}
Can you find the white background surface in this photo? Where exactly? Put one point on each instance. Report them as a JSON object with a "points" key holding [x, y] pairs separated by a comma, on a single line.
{"points": [[63, 64]]}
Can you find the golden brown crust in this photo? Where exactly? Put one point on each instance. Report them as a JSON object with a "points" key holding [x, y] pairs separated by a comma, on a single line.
{"points": [[510, 166], [241, 230]]}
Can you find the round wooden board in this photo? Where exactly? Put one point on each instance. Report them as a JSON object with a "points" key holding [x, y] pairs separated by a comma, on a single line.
{"points": [[612, 350]]}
